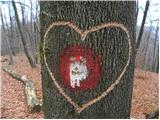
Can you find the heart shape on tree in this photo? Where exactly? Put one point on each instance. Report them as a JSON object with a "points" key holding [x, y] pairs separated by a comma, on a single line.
{"points": [[83, 35]]}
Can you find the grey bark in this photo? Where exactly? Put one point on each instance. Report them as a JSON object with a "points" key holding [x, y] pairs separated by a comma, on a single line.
{"points": [[111, 43], [25, 44]]}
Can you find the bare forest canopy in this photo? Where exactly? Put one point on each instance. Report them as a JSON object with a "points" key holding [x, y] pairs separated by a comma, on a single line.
{"points": [[21, 32]]}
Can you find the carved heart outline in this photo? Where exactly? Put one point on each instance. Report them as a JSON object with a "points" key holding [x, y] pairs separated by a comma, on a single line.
{"points": [[83, 35]]}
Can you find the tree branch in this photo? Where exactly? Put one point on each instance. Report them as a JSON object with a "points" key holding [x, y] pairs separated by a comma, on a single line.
{"points": [[32, 101]]}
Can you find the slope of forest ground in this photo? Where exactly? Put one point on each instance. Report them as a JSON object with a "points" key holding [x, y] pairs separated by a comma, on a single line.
{"points": [[13, 102]]}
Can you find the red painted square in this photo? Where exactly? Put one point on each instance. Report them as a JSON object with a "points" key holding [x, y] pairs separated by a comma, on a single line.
{"points": [[80, 68]]}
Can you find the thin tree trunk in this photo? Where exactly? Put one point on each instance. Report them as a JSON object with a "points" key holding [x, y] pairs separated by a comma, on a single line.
{"points": [[7, 37], [157, 65], [25, 44], [11, 31], [31, 33], [137, 9], [156, 62], [110, 46], [142, 26], [146, 47], [23, 17], [37, 34], [154, 48]]}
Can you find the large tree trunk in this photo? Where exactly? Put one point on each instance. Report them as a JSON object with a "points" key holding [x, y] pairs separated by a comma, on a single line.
{"points": [[108, 29]]}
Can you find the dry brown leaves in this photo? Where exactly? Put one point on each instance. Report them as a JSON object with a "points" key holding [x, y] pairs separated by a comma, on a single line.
{"points": [[145, 93], [13, 99], [13, 103]]}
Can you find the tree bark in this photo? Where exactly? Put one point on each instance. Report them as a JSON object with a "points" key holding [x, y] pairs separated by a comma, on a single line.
{"points": [[25, 45], [110, 43], [32, 101]]}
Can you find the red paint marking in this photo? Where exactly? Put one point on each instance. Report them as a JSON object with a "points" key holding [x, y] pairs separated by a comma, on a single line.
{"points": [[78, 57], [93, 61]]}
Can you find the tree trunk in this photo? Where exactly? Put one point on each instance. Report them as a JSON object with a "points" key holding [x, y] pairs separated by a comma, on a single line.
{"points": [[146, 47], [97, 36], [7, 39], [142, 26], [154, 48], [37, 34], [11, 31], [137, 10], [157, 61], [25, 44]]}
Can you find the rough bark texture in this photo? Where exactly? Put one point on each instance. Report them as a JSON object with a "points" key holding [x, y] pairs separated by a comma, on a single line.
{"points": [[32, 101], [111, 43]]}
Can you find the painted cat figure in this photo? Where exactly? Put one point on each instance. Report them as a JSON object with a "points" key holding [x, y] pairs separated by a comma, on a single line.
{"points": [[78, 70]]}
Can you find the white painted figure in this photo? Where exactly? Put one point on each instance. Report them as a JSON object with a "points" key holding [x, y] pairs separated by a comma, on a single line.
{"points": [[78, 71]]}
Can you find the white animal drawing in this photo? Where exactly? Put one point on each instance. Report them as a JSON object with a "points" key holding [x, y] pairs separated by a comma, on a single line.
{"points": [[78, 71]]}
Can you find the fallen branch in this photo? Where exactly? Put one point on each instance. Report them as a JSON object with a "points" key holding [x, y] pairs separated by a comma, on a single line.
{"points": [[32, 101], [153, 115]]}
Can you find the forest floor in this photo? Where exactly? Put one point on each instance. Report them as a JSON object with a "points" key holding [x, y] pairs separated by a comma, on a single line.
{"points": [[13, 102]]}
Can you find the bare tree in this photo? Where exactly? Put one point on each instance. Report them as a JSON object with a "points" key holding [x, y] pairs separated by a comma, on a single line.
{"points": [[11, 31], [37, 32], [137, 9], [31, 29], [23, 14], [25, 44], [157, 61], [142, 26], [6, 36], [146, 46], [155, 43]]}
